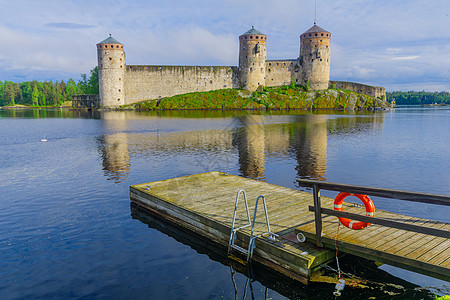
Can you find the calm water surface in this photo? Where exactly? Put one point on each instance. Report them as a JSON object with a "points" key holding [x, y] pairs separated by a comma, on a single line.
{"points": [[67, 229]]}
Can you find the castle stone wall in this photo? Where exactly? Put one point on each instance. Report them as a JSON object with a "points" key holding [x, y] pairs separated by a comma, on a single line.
{"points": [[281, 72], [374, 91], [153, 82]]}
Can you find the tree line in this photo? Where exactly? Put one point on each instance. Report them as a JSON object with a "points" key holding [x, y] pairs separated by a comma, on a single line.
{"points": [[47, 93], [414, 98]]}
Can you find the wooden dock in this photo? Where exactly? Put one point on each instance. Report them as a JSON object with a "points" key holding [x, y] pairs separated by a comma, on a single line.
{"points": [[204, 204], [422, 253]]}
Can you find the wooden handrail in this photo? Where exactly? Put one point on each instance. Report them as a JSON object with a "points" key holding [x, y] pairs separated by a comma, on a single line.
{"points": [[385, 222], [386, 193]]}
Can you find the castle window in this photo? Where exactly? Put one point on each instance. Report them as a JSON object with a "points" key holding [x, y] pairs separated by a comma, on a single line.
{"points": [[120, 59], [316, 34], [270, 64], [121, 66], [119, 90], [210, 81], [160, 68], [284, 64], [245, 37], [269, 70], [117, 46], [110, 58], [251, 69], [261, 69], [257, 37], [320, 59], [322, 34], [296, 80], [310, 34], [312, 59], [277, 64], [251, 37], [118, 99], [321, 40], [120, 78], [327, 34]]}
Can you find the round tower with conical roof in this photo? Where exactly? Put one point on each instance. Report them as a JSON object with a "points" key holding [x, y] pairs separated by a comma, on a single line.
{"points": [[252, 59], [111, 72], [315, 58]]}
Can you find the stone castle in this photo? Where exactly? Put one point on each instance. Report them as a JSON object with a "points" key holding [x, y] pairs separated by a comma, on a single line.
{"points": [[121, 84]]}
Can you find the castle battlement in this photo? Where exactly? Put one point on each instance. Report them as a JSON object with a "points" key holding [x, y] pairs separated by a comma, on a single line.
{"points": [[121, 84]]}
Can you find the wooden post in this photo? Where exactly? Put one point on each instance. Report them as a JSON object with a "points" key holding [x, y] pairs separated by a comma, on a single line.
{"points": [[318, 215]]}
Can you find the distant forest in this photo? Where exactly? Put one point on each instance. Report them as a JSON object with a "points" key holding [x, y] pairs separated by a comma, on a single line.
{"points": [[414, 98], [47, 93]]}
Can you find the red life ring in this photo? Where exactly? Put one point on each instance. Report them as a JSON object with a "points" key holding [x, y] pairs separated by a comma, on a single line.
{"points": [[370, 210]]}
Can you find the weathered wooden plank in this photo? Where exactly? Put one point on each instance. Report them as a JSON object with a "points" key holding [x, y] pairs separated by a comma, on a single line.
{"points": [[417, 239], [371, 234], [440, 246], [441, 257], [446, 263]]}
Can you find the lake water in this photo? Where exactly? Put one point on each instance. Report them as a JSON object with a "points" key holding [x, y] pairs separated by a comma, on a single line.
{"points": [[67, 229]]}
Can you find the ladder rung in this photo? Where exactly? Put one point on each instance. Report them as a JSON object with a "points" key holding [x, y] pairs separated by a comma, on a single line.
{"points": [[240, 249], [242, 227]]}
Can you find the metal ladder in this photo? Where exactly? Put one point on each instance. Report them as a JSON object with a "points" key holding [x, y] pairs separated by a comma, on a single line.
{"points": [[251, 246]]}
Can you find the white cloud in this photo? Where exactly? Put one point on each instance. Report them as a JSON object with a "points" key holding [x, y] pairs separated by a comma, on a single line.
{"points": [[412, 57]]}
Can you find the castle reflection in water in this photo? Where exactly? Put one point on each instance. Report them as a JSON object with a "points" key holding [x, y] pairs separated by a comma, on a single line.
{"points": [[253, 138]]}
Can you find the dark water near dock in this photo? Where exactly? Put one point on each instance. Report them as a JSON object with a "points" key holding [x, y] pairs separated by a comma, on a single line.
{"points": [[67, 229]]}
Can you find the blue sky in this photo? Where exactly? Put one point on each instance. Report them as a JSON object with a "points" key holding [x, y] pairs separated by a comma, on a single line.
{"points": [[399, 44]]}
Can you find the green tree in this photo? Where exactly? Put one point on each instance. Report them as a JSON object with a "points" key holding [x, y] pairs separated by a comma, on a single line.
{"points": [[26, 92], [1, 93], [10, 92], [89, 85], [93, 81], [35, 96], [71, 89]]}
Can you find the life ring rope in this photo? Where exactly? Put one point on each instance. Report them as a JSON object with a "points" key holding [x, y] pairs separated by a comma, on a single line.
{"points": [[368, 204]]}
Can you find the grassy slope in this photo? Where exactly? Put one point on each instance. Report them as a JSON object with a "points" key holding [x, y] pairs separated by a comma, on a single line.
{"points": [[285, 97]]}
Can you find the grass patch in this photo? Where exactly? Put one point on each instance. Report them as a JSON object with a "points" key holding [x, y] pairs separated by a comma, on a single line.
{"points": [[268, 98]]}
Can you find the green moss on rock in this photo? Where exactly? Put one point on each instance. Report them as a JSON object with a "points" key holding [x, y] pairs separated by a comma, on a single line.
{"points": [[270, 98]]}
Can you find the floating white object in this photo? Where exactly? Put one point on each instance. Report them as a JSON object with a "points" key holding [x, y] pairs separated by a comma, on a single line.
{"points": [[339, 287], [43, 140]]}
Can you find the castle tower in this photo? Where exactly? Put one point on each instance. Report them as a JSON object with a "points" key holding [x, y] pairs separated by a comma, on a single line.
{"points": [[252, 59], [315, 58], [111, 72]]}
